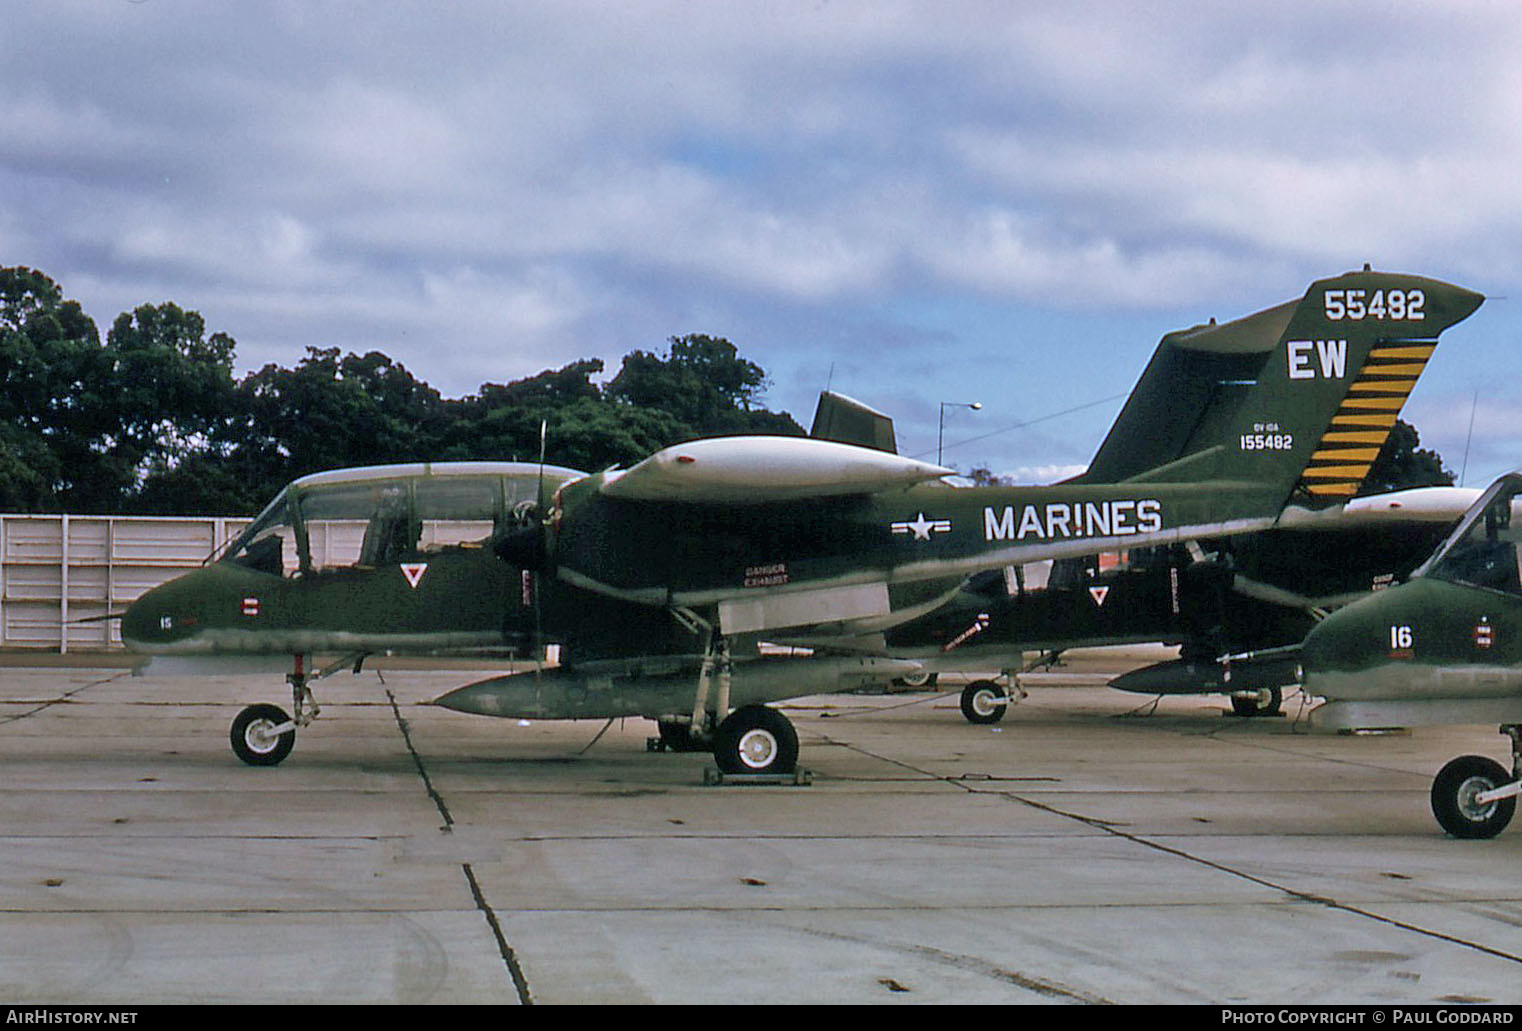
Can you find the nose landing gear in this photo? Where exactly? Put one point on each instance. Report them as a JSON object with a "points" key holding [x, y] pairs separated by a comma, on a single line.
{"points": [[263, 734]]}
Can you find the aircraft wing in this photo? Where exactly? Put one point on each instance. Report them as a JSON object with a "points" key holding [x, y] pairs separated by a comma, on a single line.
{"points": [[740, 470], [1323, 559], [1414, 505]]}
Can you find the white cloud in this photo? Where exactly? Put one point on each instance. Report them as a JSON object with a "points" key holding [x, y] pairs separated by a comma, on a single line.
{"points": [[1042, 474], [495, 310], [1007, 252]]}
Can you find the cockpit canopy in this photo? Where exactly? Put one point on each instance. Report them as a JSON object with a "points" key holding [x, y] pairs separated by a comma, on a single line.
{"points": [[1482, 551], [384, 515]]}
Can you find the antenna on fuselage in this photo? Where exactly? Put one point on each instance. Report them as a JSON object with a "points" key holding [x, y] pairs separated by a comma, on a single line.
{"points": [[1464, 466]]}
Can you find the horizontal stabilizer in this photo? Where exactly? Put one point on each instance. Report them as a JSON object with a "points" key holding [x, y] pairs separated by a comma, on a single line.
{"points": [[759, 469]]}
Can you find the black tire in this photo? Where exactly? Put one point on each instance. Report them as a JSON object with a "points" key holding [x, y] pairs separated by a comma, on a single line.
{"points": [[983, 702], [251, 738], [676, 736], [756, 739], [1254, 705], [1453, 792]]}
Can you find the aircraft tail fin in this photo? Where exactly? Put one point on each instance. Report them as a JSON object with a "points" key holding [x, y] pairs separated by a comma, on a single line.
{"points": [[1302, 395], [1193, 375], [846, 420]]}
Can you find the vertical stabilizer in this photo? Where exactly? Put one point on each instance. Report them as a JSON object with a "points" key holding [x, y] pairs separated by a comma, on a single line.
{"points": [[1324, 396], [847, 421]]}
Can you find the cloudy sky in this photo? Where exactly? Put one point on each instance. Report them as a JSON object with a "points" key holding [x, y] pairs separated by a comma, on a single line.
{"points": [[1004, 202]]}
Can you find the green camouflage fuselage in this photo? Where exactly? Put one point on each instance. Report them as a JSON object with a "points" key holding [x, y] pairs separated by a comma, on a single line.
{"points": [[694, 554]]}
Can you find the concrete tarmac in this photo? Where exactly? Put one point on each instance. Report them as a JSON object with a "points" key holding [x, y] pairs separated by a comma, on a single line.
{"points": [[1085, 850]]}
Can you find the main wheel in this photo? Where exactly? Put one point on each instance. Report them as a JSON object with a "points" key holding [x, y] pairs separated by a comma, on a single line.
{"points": [[254, 739], [676, 736], [1258, 703], [1453, 797], [983, 702], [924, 678], [756, 739]]}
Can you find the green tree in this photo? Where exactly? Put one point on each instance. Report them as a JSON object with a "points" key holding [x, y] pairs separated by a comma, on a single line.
{"points": [[154, 420], [584, 429], [501, 422], [593, 435], [1403, 463], [28, 471], [50, 366], [550, 389], [705, 384], [983, 476], [166, 395], [330, 411]]}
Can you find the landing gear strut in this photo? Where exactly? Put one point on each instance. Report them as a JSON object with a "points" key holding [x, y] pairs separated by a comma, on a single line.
{"points": [[263, 734], [754, 739], [675, 736], [1474, 797]]}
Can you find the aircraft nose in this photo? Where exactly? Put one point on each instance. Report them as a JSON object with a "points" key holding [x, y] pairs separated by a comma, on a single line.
{"points": [[1330, 657], [160, 617], [1322, 645], [141, 622], [1356, 637]]}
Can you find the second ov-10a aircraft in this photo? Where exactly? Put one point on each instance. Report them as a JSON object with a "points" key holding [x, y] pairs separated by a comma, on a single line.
{"points": [[1247, 594], [659, 581], [1443, 648]]}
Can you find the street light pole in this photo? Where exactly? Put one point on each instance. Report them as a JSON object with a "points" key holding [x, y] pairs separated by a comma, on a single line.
{"points": [[940, 433]]}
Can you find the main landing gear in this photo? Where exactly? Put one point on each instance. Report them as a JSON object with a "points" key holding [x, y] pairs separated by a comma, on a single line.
{"points": [[263, 734], [1474, 796], [752, 740], [1266, 701], [756, 739]]}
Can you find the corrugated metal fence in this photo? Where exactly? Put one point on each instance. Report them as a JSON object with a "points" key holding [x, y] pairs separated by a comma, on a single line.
{"points": [[61, 575]]}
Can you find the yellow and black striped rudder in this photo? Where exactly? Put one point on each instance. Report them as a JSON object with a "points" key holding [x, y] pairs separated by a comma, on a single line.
{"points": [[1363, 423]]}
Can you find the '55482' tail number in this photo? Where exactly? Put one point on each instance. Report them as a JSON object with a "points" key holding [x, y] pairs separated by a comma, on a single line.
{"points": [[1382, 304]]}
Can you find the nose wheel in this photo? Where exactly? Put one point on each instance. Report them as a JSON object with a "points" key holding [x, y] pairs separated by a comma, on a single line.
{"points": [[1474, 796], [263, 735], [984, 702]]}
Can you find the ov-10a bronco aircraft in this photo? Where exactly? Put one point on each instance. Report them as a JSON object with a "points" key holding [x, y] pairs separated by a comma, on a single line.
{"points": [[660, 580], [1230, 603], [1443, 648], [1248, 594]]}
